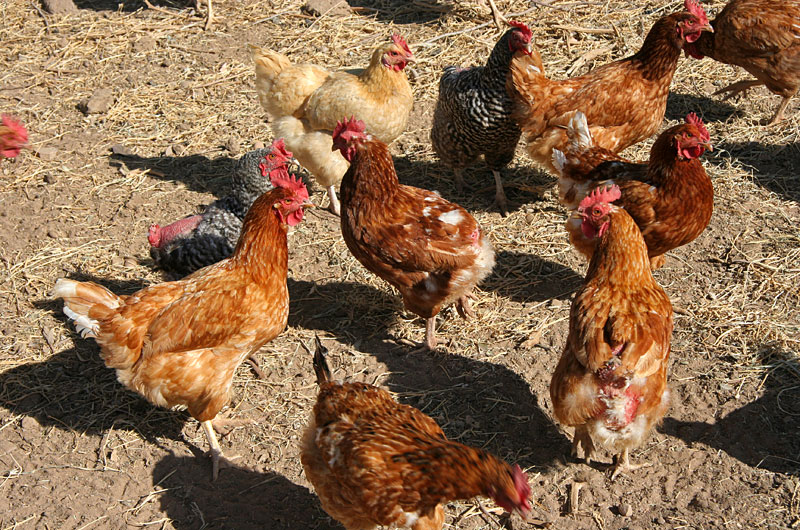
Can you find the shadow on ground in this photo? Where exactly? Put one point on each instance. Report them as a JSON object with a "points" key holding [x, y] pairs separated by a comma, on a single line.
{"points": [[761, 434], [476, 402], [240, 498]]}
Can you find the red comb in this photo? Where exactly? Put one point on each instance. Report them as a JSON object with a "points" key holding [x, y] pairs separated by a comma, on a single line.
{"points": [[525, 30], [694, 8], [694, 119], [284, 180], [400, 41], [610, 194], [521, 483], [346, 129], [280, 146]]}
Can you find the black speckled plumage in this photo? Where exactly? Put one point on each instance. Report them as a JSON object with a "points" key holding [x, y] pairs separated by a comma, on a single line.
{"points": [[473, 113], [215, 236]]}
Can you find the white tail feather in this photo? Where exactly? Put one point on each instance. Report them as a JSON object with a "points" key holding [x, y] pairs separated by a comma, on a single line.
{"points": [[578, 131], [559, 161], [84, 325]]}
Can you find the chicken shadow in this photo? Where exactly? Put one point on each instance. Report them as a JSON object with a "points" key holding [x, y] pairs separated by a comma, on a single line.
{"points": [[240, 498], [401, 11], [130, 6], [761, 434], [525, 277], [522, 184], [773, 166], [72, 389], [473, 400], [198, 172], [711, 109]]}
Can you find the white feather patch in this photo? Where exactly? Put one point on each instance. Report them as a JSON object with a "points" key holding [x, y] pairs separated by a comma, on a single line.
{"points": [[86, 326]]}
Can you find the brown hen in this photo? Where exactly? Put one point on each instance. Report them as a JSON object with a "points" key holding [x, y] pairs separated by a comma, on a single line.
{"points": [[761, 36], [624, 101], [179, 343], [670, 197], [373, 461], [611, 381], [431, 250]]}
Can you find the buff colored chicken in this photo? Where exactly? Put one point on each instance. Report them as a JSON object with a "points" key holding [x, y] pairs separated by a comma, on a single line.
{"points": [[373, 461], [305, 102], [179, 343], [611, 381]]}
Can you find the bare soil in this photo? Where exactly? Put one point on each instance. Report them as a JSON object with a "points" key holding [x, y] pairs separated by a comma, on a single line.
{"points": [[77, 450]]}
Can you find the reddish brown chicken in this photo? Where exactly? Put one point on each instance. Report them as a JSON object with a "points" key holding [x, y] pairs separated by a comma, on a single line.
{"points": [[761, 36], [611, 381], [179, 343], [624, 101], [670, 197], [376, 462], [431, 250]]}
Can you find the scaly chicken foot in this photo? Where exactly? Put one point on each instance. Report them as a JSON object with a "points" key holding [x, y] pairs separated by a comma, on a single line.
{"points": [[334, 205], [622, 464], [778, 117], [253, 361], [500, 195], [464, 307], [656, 262], [582, 438], [217, 458], [209, 16]]}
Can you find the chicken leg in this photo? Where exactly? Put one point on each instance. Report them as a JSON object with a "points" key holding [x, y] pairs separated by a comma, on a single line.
{"points": [[622, 464], [334, 205], [778, 117], [217, 458], [209, 16], [582, 438], [500, 195]]}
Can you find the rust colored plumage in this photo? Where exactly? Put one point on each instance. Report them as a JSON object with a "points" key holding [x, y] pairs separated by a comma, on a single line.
{"points": [[611, 381], [178, 343], [431, 250], [670, 197], [624, 101], [761, 36], [373, 461]]}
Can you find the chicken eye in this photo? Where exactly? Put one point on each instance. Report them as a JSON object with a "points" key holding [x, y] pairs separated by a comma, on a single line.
{"points": [[597, 211], [271, 156]]}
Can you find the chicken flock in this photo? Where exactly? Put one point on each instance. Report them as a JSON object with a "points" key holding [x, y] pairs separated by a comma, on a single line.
{"points": [[371, 460]]}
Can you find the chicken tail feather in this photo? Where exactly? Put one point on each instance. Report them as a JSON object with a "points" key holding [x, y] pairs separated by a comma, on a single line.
{"points": [[321, 367], [85, 303]]}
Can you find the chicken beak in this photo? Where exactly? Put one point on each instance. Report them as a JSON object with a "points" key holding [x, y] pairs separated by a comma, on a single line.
{"points": [[529, 48], [707, 27], [410, 59], [708, 146], [308, 204]]}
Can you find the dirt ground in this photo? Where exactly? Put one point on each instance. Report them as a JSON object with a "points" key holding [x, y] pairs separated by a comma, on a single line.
{"points": [[77, 450]]}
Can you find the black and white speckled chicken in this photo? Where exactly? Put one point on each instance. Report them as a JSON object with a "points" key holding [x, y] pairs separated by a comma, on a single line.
{"points": [[473, 112], [200, 240]]}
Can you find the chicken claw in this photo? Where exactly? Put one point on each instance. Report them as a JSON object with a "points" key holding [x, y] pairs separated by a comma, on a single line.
{"points": [[464, 307], [622, 464], [500, 195], [582, 438], [217, 458]]}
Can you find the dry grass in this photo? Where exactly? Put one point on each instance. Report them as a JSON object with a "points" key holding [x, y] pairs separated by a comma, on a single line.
{"points": [[178, 87]]}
